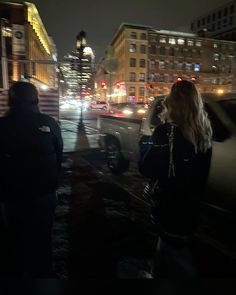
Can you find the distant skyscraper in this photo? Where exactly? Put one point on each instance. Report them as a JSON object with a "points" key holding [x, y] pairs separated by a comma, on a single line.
{"points": [[76, 78]]}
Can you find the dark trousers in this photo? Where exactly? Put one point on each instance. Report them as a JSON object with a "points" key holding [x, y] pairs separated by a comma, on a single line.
{"points": [[26, 237]]}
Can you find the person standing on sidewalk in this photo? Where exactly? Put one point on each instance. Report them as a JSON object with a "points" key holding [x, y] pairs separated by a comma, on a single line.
{"points": [[30, 159], [178, 157]]}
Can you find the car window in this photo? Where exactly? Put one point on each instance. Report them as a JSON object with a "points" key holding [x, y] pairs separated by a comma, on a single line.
{"points": [[220, 132]]}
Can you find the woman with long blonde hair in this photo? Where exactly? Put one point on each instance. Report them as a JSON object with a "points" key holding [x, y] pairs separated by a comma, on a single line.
{"points": [[178, 157]]}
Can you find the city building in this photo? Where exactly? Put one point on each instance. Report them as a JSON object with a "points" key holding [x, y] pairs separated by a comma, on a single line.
{"points": [[218, 23], [27, 51], [121, 74], [149, 61], [78, 73]]}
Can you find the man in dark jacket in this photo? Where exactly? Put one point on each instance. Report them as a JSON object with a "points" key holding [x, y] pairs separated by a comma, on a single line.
{"points": [[30, 158]]}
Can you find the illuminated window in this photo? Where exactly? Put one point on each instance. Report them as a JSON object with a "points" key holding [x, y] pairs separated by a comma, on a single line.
{"points": [[162, 40], [190, 42], [196, 67], [161, 65], [180, 66], [216, 56], [152, 63], [172, 41], [180, 41], [198, 43], [188, 66], [142, 77], [132, 48], [215, 45]]}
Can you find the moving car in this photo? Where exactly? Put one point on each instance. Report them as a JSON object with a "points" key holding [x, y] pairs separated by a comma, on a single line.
{"points": [[129, 109], [98, 105]]}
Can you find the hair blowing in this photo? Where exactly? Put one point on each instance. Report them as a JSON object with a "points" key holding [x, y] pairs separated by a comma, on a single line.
{"points": [[184, 106]]}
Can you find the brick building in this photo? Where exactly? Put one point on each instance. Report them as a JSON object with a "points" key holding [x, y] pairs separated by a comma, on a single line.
{"points": [[150, 60]]}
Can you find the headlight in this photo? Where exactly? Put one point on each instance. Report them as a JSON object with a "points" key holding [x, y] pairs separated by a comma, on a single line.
{"points": [[127, 112], [86, 104], [141, 111]]}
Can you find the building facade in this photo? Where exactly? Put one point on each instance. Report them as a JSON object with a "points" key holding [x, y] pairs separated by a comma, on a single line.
{"points": [[30, 53], [218, 23], [149, 61]]}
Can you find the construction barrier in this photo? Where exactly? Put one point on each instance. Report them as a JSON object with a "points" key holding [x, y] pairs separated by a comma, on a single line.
{"points": [[48, 103]]}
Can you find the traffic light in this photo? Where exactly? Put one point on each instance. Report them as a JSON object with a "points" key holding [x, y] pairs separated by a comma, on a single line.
{"points": [[148, 85], [117, 84], [103, 85]]}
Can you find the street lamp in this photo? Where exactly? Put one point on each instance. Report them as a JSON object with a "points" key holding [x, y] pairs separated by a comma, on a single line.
{"points": [[80, 45]]}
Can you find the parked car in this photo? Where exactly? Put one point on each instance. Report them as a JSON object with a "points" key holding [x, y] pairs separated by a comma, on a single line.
{"points": [[119, 137], [98, 105]]}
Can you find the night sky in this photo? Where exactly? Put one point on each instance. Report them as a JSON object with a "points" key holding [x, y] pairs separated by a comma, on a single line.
{"points": [[64, 19]]}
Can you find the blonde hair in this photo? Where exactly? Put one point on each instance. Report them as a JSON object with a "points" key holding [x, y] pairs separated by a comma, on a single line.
{"points": [[184, 106]]}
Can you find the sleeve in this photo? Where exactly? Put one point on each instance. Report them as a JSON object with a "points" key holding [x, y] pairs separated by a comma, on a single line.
{"points": [[58, 142], [154, 154]]}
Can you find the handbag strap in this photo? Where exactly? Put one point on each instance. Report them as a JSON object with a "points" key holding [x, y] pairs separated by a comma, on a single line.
{"points": [[171, 145]]}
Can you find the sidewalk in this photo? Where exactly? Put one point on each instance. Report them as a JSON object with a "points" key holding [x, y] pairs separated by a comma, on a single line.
{"points": [[98, 240], [97, 237], [78, 141], [102, 232]]}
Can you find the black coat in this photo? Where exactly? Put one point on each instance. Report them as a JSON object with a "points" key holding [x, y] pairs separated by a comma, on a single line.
{"points": [[30, 154], [181, 196]]}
